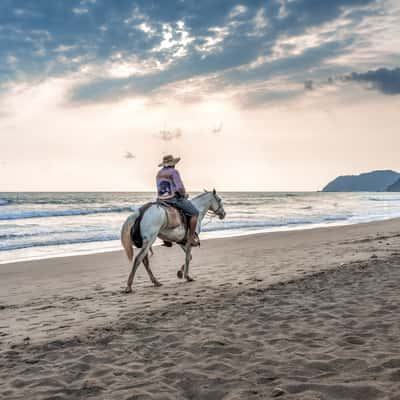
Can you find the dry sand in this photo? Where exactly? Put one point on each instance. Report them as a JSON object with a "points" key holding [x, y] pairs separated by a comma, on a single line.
{"points": [[308, 314]]}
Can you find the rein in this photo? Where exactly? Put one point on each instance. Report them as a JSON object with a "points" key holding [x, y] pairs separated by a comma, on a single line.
{"points": [[212, 214]]}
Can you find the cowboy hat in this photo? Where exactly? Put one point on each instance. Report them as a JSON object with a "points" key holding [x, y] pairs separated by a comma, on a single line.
{"points": [[169, 161]]}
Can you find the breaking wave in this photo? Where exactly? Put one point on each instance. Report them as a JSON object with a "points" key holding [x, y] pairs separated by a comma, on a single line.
{"points": [[45, 243], [61, 213]]}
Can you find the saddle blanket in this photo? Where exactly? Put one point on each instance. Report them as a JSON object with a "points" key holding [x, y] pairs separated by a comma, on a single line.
{"points": [[174, 216]]}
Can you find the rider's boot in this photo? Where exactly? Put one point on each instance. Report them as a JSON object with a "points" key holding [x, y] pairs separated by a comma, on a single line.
{"points": [[193, 238]]}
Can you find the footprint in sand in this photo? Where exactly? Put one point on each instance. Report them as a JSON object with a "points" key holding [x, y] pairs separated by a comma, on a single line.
{"points": [[392, 363], [354, 340]]}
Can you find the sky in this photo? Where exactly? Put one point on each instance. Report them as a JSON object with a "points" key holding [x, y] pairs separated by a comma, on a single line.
{"points": [[273, 95]]}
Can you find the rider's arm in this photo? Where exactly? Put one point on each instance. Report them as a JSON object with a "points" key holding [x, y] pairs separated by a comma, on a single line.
{"points": [[180, 188]]}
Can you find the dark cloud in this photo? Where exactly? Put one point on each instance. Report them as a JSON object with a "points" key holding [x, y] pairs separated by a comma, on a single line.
{"points": [[187, 38], [385, 80], [295, 66], [308, 85]]}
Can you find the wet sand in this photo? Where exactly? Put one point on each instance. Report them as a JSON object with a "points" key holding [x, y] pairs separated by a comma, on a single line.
{"points": [[307, 314]]}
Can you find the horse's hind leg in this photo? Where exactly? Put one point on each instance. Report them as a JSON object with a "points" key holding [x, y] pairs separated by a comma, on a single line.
{"points": [[146, 263], [138, 260]]}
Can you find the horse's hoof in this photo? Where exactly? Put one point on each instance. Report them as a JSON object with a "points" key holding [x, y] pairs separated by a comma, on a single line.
{"points": [[189, 279], [157, 284], [128, 289], [179, 274]]}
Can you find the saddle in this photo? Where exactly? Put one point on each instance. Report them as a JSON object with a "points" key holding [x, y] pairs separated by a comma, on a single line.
{"points": [[175, 218]]}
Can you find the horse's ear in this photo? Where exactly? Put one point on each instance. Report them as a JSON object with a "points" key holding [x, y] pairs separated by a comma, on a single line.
{"points": [[214, 191]]}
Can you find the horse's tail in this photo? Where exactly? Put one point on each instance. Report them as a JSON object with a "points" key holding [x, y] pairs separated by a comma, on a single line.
{"points": [[126, 240]]}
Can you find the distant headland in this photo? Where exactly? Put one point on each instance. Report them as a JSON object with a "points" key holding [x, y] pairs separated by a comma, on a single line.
{"points": [[374, 181]]}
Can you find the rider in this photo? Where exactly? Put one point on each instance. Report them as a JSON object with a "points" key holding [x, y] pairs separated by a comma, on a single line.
{"points": [[171, 190]]}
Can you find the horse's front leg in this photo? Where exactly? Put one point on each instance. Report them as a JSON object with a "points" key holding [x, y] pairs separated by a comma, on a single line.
{"points": [[188, 257], [180, 271]]}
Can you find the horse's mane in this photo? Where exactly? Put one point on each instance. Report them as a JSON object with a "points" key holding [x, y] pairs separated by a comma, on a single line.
{"points": [[200, 195]]}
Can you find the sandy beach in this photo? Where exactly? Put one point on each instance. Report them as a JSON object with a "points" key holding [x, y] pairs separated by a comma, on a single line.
{"points": [[307, 314]]}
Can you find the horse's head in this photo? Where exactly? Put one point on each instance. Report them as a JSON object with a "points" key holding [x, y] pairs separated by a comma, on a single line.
{"points": [[216, 205]]}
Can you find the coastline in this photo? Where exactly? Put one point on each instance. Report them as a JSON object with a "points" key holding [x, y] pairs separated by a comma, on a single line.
{"points": [[260, 295], [207, 235]]}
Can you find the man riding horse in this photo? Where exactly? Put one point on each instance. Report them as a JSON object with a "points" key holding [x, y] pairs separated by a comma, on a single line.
{"points": [[151, 221], [171, 190]]}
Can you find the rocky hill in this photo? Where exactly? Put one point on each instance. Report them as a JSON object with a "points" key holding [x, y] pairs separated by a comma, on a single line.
{"points": [[375, 181], [395, 187]]}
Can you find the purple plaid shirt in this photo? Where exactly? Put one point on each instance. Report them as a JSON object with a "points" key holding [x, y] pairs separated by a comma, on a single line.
{"points": [[169, 182]]}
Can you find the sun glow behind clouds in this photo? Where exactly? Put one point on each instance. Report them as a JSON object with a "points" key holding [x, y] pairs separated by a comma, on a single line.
{"points": [[59, 157], [76, 98]]}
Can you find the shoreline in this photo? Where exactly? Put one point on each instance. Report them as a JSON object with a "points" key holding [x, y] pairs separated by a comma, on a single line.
{"points": [[208, 235], [311, 313], [274, 255]]}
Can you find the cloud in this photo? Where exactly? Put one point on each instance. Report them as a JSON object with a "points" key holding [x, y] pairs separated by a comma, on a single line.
{"points": [[168, 135], [129, 156], [308, 85], [80, 10], [217, 128], [262, 98], [83, 7], [63, 49], [138, 48], [12, 59], [385, 80]]}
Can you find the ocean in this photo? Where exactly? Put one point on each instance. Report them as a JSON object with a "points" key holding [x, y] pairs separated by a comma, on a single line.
{"points": [[43, 225]]}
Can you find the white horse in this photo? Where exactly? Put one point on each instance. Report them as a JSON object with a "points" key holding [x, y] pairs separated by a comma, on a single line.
{"points": [[154, 224]]}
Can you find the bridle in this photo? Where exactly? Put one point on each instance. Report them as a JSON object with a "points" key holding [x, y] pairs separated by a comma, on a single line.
{"points": [[220, 208], [211, 213]]}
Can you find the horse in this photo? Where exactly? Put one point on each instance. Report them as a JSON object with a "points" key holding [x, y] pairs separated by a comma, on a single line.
{"points": [[154, 224]]}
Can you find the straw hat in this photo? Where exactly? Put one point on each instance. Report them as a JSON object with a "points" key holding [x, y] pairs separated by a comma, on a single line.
{"points": [[169, 161]]}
